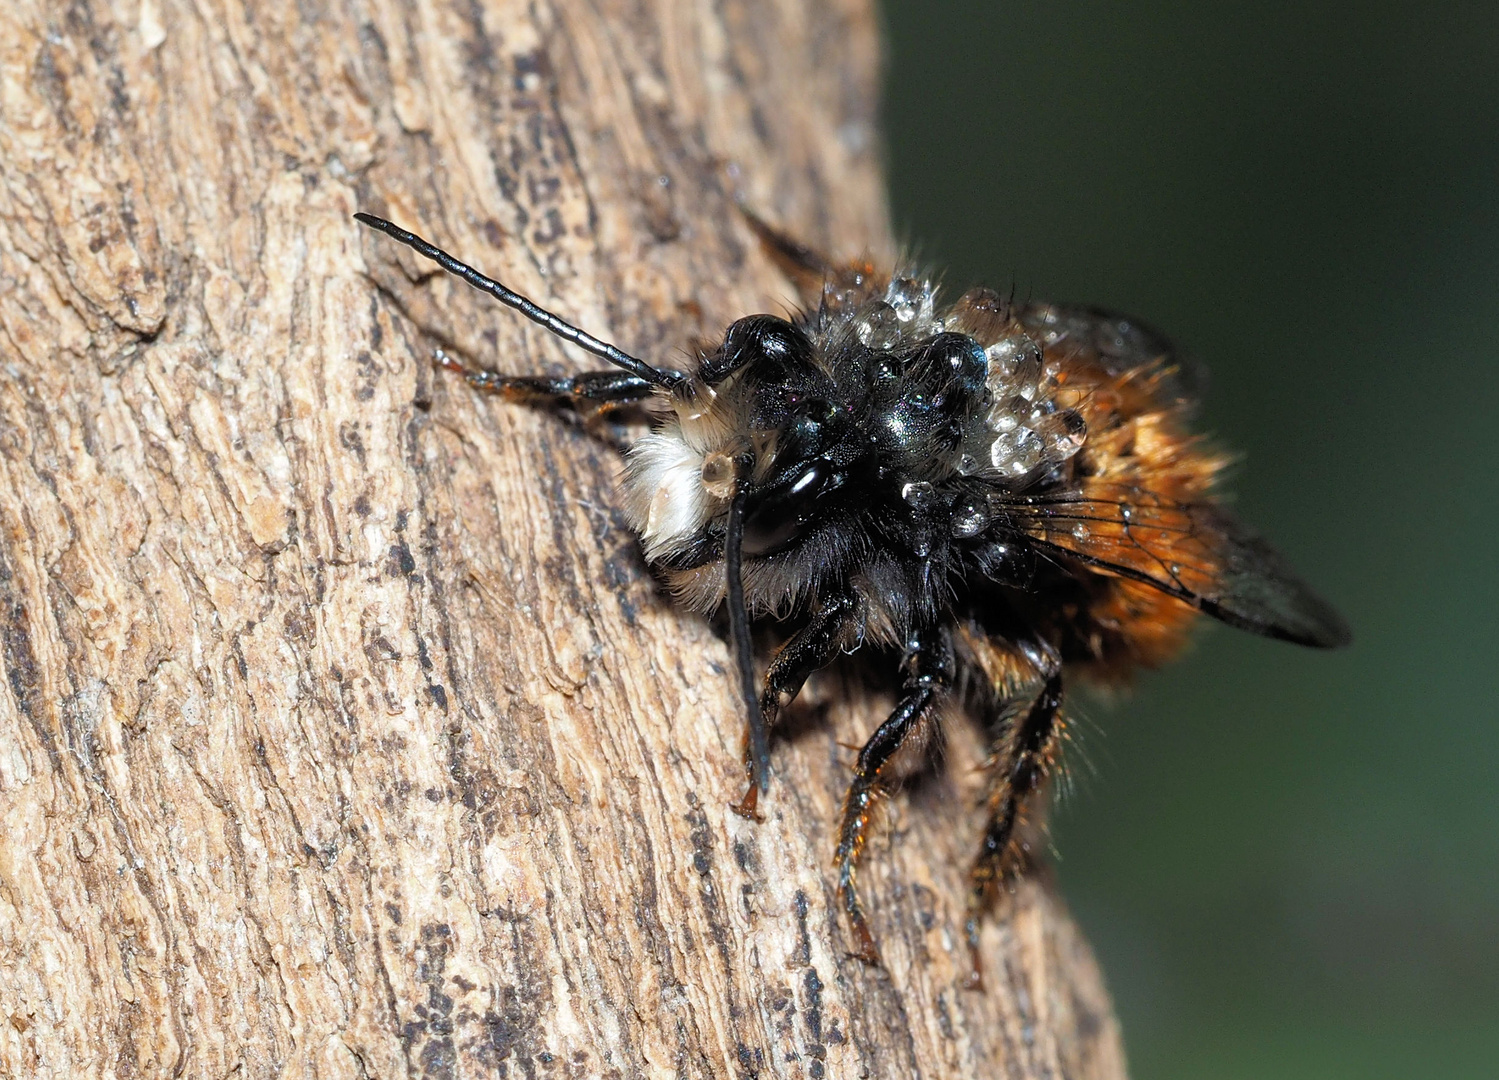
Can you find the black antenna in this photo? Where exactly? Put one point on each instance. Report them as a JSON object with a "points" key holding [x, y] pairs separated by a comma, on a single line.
{"points": [[565, 330]]}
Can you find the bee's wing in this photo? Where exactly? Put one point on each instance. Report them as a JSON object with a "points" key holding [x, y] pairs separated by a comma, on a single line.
{"points": [[1195, 552], [1115, 344]]}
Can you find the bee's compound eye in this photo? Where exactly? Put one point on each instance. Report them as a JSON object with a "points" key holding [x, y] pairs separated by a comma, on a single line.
{"points": [[778, 514], [756, 339]]}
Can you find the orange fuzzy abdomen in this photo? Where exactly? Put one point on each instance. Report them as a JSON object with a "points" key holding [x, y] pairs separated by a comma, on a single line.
{"points": [[1137, 442]]}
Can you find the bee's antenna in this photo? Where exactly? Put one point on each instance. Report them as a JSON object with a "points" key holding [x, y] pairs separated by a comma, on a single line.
{"points": [[565, 330], [739, 639]]}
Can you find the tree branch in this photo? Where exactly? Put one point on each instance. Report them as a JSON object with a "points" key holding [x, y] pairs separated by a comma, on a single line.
{"points": [[344, 733]]}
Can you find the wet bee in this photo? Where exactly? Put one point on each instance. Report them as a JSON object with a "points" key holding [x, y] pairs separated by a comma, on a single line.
{"points": [[1006, 495]]}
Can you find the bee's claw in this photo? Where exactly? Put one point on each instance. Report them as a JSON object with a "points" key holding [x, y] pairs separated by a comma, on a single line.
{"points": [[749, 805], [867, 950], [974, 980]]}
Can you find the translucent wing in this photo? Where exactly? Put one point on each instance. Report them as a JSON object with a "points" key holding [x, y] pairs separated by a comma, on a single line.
{"points": [[1194, 552], [1115, 344]]}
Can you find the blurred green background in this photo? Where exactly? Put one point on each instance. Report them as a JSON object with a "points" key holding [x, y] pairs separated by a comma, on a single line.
{"points": [[1287, 861]]}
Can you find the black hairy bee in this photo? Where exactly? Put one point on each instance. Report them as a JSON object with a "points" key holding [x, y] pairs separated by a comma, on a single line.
{"points": [[1004, 493]]}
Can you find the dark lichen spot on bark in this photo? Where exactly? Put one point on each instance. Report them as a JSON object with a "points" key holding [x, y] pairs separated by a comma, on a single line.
{"points": [[803, 953], [350, 439], [401, 563], [812, 1008], [438, 1056], [702, 840], [944, 1017]]}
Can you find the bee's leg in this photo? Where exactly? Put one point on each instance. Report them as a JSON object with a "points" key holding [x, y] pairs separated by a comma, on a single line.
{"points": [[592, 391], [812, 647], [814, 273], [802, 263], [929, 671], [1030, 752]]}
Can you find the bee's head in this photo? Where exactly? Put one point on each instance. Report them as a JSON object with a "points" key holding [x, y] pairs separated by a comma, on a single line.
{"points": [[801, 445], [762, 348]]}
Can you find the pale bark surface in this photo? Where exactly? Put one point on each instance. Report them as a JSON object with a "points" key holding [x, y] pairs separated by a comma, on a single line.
{"points": [[342, 731]]}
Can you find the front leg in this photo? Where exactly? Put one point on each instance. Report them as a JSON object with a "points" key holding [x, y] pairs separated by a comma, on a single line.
{"points": [[929, 671], [811, 648], [593, 391]]}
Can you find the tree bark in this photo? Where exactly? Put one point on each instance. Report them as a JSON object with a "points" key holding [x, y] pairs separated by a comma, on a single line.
{"points": [[344, 732]]}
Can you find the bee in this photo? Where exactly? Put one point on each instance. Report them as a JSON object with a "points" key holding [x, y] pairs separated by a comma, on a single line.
{"points": [[1006, 496]]}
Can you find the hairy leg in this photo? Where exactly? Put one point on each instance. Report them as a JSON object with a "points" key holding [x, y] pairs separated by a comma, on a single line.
{"points": [[929, 671], [1025, 762], [806, 265], [812, 647], [813, 272]]}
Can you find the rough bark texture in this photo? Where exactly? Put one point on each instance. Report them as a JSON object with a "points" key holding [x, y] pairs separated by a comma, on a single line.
{"points": [[342, 731]]}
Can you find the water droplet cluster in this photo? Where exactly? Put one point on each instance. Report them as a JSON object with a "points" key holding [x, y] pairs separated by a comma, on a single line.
{"points": [[907, 312], [878, 327], [1030, 431]]}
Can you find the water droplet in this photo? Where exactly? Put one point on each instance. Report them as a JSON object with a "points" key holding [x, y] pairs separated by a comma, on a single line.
{"points": [[1004, 357], [918, 494], [1041, 410], [908, 297], [1029, 450], [1028, 372], [1001, 420], [969, 518], [1002, 449], [879, 326], [1065, 433]]}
